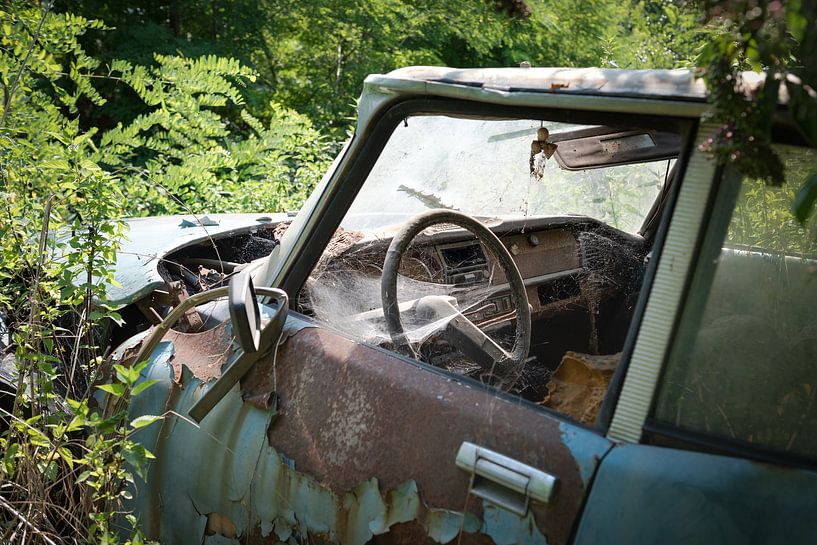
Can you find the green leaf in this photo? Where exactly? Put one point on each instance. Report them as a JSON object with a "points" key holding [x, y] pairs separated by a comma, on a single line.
{"points": [[55, 164], [805, 198], [77, 423], [128, 375], [137, 456], [67, 456], [116, 390], [142, 386], [33, 420], [796, 22], [9, 458], [145, 420], [112, 423], [77, 406], [89, 165]]}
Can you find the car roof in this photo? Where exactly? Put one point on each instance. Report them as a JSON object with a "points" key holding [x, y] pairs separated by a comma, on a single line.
{"points": [[675, 84], [663, 92]]}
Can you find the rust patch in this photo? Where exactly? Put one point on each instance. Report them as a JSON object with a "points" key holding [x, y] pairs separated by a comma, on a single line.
{"points": [[220, 525], [127, 359], [203, 353], [349, 412], [258, 385]]}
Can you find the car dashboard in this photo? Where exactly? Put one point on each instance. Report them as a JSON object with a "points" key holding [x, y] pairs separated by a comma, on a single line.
{"points": [[580, 277]]}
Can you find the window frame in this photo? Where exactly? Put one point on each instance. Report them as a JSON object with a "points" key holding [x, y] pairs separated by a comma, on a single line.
{"points": [[726, 185], [353, 171]]}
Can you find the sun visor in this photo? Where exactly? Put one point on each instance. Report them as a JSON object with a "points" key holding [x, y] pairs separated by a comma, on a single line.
{"points": [[605, 146]]}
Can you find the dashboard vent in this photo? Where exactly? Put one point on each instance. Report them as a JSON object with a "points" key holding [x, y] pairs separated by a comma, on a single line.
{"points": [[463, 263]]}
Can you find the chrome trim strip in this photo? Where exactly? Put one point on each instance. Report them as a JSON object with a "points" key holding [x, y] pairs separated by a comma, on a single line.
{"points": [[665, 298]]}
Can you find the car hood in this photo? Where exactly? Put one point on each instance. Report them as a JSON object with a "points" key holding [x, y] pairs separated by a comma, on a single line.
{"points": [[148, 240]]}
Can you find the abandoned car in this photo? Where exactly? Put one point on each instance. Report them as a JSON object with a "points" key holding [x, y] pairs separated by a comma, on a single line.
{"points": [[522, 306]]}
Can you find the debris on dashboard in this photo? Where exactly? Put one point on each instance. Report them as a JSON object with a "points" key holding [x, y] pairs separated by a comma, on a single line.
{"points": [[578, 385], [203, 221], [281, 228], [211, 278], [194, 268], [341, 241]]}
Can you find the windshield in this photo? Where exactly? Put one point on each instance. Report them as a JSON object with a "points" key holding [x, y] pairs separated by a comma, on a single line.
{"points": [[485, 168]]}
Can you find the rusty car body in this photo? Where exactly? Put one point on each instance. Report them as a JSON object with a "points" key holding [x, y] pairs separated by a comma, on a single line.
{"points": [[483, 342]]}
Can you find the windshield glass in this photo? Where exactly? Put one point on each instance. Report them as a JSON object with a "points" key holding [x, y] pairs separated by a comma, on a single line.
{"points": [[484, 168]]}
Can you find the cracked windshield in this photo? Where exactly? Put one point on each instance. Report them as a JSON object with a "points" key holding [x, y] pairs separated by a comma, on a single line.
{"points": [[485, 168]]}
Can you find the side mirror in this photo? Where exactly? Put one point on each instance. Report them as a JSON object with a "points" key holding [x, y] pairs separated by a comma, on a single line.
{"points": [[254, 340], [244, 313]]}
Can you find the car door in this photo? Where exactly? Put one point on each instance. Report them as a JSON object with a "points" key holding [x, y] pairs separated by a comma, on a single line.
{"points": [[724, 448], [336, 441], [356, 418]]}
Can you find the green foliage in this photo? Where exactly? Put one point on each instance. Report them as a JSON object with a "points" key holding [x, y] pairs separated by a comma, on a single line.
{"points": [[66, 465], [63, 467], [69, 468], [659, 34], [779, 39], [763, 218], [313, 55], [182, 156]]}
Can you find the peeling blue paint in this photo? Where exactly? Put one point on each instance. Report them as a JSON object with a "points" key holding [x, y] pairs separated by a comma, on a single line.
{"points": [[507, 528], [226, 467], [586, 447], [443, 525]]}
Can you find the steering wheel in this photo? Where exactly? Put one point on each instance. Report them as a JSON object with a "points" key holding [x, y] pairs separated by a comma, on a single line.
{"points": [[461, 332]]}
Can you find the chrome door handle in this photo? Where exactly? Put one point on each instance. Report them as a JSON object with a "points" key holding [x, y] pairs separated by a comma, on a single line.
{"points": [[504, 481]]}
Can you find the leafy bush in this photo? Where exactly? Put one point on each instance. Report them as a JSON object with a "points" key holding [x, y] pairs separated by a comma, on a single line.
{"points": [[778, 39], [181, 155], [65, 463]]}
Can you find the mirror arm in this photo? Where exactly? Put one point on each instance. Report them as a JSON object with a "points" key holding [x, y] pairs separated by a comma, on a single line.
{"points": [[243, 361]]}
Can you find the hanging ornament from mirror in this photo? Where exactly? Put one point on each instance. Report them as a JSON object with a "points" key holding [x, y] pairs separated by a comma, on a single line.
{"points": [[540, 151]]}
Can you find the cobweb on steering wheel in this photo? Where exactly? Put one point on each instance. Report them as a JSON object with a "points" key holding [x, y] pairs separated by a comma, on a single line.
{"points": [[344, 292]]}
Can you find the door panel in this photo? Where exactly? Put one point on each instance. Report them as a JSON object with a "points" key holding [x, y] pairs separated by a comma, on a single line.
{"points": [[361, 448], [349, 413], [644, 494]]}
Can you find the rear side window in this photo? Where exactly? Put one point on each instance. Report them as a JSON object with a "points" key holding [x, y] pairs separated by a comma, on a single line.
{"points": [[743, 366]]}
